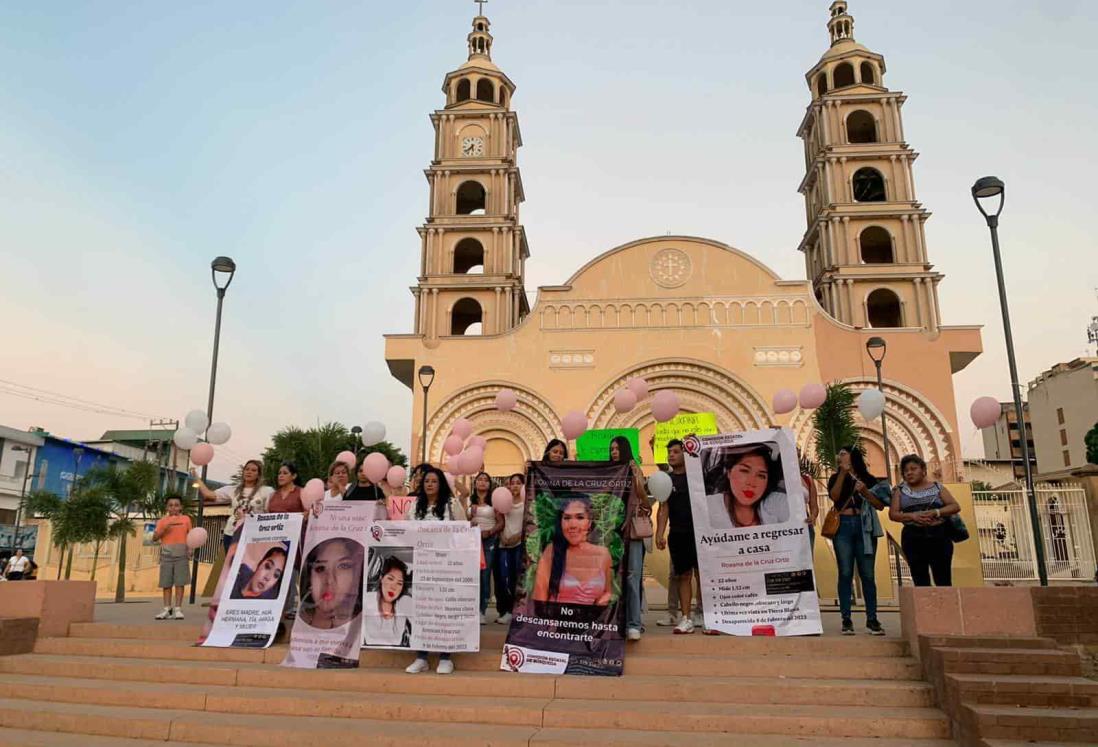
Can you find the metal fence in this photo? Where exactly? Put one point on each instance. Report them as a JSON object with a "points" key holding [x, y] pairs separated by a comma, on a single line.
{"points": [[1006, 534]]}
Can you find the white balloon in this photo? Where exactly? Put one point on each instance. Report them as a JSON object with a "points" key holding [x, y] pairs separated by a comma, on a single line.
{"points": [[871, 403], [219, 433], [185, 439], [660, 485], [196, 420], [373, 433]]}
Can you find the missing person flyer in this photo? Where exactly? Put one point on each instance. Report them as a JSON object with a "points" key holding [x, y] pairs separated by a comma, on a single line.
{"points": [[422, 586], [251, 602], [569, 617], [327, 632], [751, 530]]}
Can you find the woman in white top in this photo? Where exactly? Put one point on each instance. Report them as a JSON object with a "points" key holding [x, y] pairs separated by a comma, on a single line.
{"points": [[339, 477], [490, 524], [434, 502], [509, 552], [247, 496]]}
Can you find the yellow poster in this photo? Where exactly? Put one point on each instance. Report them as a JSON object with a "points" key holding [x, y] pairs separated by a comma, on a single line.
{"points": [[697, 423]]}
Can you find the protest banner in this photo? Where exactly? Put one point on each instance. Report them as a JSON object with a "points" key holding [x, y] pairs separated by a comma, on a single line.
{"points": [[594, 446], [327, 632], [253, 592], [679, 427], [751, 532], [398, 506], [570, 615], [422, 586]]}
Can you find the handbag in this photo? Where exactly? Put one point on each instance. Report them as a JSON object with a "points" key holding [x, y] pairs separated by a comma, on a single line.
{"points": [[956, 530], [830, 527], [642, 527]]}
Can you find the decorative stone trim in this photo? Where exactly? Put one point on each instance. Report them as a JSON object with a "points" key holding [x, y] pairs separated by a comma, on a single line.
{"points": [[779, 356], [571, 358]]}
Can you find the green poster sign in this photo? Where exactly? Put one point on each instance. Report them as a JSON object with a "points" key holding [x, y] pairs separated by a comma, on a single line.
{"points": [[594, 446], [696, 423]]}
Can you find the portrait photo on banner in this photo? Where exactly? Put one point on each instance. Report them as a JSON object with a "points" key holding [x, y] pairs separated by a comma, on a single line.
{"points": [[262, 568], [389, 606], [331, 583], [745, 485]]}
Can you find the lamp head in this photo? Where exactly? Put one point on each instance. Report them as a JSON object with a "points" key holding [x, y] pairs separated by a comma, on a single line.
{"points": [[988, 188], [426, 376], [876, 347], [225, 268]]}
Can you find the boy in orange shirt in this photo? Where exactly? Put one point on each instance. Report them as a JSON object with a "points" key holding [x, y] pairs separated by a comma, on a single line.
{"points": [[171, 533]]}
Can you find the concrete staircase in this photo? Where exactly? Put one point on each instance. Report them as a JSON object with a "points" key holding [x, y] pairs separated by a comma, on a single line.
{"points": [[146, 684]]}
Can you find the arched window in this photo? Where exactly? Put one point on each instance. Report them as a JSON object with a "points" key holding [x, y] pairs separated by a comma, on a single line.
{"points": [[883, 309], [468, 256], [861, 128], [869, 77], [486, 91], [503, 96], [470, 199], [480, 27], [465, 315], [876, 245], [843, 75], [464, 90], [821, 84], [869, 185]]}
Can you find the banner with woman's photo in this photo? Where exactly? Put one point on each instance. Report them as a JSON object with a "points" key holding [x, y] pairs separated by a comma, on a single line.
{"points": [[252, 594], [327, 631], [569, 616], [422, 586], [751, 532]]}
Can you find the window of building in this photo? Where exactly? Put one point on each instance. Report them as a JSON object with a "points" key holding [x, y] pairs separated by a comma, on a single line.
{"points": [[843, 75], [876, 244], [468, 256], [821, 84], [465, 315], [1060, 416], [861, 127], [869, 185], [464, 90], [869, 77], [470, 199], [1063, 437], [1067, 458], [485, 90], [883, 309]]}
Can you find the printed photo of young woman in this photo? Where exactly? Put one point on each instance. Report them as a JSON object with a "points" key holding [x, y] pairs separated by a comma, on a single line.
{"points": [[389, 606], [745, 486]]}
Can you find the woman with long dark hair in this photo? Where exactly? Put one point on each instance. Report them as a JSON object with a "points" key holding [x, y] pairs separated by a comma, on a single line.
{"points": [[556, 451], [508, 563], [434, 502], [263, 581], [247, 495], [621, 452], [573, 570], [287, 499], [388, 621], [856, 542], [490, 523]]}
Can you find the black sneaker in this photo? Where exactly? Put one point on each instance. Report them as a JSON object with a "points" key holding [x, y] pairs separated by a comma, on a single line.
{"points": [[848, 627], [874, 627]]}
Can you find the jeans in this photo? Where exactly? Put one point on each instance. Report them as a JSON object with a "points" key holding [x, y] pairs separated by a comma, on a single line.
{"points": [[926, 553], [634, 585], [507, 567], [489, 547], [849, 551], [423, 655]]}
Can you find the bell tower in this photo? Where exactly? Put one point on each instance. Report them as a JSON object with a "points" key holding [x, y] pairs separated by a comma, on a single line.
{"points": [[473, 248], [865, 247]]}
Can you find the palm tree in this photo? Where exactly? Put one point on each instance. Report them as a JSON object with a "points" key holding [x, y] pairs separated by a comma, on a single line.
{"points": [[834, 426], [82, 517]]}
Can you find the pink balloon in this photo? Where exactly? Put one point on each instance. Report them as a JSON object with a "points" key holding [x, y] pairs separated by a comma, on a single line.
{"points": [[574, 425], [624, 400], [312, 492], [376, 466], [462, 428], [395, 476], [638, 386], [196, 538], [474, 459], [348, 458], [985, 412], [812, 396], [785, 400], [202, 454], [502, 500], [452, 444], [458, 464], [506, 399], [665, 405]]}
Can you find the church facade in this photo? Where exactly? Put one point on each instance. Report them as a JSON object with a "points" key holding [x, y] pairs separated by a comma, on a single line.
{"points": [[690, 314]]}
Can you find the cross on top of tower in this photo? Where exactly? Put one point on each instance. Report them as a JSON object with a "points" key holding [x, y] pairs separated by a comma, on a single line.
{"points": [[480, 9]]}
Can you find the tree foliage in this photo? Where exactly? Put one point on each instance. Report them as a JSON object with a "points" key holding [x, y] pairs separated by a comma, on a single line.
{"points": [[834, 426], [1091, 441], [312, 450]]}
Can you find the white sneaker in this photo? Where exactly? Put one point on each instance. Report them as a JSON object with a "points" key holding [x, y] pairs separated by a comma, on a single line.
{"points": [[445, 666], [669, 620], [484, 618], [419, 665], [686, 625], [633, 634], [165, 614], [504, 619], [177, 613]]}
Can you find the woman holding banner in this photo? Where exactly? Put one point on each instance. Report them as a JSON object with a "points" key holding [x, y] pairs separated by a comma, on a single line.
{"points": [[434, 502], [286, 499], [339, 477], [638, 527], [490, 524], [247, 496]]}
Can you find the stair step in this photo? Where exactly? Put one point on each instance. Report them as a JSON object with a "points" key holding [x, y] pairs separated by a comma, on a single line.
{"points": [[1031, 723], [26, 738], [1009, 661], [787, 690], [746, 665], [1024, 689], [1025, 743], [999, 642]]}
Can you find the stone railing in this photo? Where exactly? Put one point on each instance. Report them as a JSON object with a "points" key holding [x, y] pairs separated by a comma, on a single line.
{"points": [[646, 313]]}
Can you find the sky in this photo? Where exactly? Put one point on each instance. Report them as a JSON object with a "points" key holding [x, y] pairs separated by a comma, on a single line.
{"points": [[140, 140]]}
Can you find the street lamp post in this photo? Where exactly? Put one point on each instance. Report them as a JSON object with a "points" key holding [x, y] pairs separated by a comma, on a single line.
{"points": [[876, 348], [987, 188], [426, 378], [221, 268]]}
